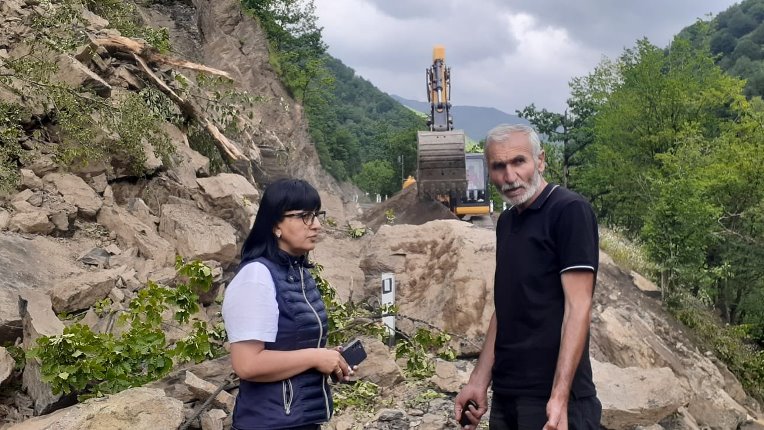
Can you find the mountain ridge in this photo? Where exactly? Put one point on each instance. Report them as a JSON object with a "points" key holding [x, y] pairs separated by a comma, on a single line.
{"points": [[476, 121]]}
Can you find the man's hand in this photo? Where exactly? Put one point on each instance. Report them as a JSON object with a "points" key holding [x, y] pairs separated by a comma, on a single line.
{"points": [[476, 394], [557, 415]]}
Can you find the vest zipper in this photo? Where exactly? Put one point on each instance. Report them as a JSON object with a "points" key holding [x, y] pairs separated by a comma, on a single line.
{"points": [[288, 393], [320, 336]]}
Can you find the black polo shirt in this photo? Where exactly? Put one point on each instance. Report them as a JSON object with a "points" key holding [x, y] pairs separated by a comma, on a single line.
{"points": [[557, 233]]}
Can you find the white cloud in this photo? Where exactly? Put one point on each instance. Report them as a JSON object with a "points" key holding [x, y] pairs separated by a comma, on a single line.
{"points": [[502, 54]]}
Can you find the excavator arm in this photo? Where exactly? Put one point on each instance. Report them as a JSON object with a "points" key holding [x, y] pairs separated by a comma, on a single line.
{"points": [[441, 173]]}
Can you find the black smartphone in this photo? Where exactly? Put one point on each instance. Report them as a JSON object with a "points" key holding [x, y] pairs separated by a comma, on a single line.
{"points": [[353, 352], [464, 421]]}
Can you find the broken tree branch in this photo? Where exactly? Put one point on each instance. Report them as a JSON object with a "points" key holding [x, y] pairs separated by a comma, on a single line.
{"points": [[228, 149], [127, 45]]}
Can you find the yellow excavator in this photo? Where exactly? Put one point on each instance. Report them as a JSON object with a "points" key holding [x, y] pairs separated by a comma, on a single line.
{"points": [[445, 172]]}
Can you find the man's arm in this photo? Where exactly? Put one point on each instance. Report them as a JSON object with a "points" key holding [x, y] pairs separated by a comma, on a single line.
{"points": [[477, 387], [578, 287]]}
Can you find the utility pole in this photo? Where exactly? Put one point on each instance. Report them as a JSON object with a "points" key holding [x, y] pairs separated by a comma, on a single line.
{"points": [[400, 160]]}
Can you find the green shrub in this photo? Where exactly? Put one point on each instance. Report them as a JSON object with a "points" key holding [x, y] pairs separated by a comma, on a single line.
{"points": [[90, 364]]}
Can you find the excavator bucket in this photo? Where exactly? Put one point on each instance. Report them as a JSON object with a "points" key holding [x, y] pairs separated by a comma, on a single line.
{"points": [[441, 169]]}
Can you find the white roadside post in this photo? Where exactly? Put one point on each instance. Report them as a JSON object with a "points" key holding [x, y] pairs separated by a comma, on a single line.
{"points": [[388, 299]]}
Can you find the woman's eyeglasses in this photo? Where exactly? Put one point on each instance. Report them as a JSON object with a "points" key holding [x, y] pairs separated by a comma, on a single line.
{"points": [[309, 216]]}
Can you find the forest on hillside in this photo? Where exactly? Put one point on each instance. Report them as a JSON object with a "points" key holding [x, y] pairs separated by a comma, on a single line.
{"points": [[361, 134], [735, 37]]}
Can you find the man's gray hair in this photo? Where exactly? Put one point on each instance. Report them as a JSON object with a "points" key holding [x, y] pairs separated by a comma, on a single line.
{"points": [[501, 133]]}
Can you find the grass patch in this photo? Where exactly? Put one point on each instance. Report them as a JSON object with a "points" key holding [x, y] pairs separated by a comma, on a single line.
{"points": [[627, 254]]}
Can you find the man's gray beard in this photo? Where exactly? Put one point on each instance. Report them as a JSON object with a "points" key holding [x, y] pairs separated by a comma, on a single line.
{"points": [[530, 190]]}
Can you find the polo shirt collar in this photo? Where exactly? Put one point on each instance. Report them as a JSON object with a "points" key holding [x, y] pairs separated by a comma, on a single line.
{"points": [[542, 198]]}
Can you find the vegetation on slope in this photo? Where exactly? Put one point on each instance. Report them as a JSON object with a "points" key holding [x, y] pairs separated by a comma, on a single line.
{"points": [[736, 39], [361, 134]]}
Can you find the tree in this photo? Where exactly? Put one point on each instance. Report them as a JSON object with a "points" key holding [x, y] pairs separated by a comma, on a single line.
{"points": [[375, 177], [722, 43], [565, 132], [740, 24], [657, 98], [747, 48]]}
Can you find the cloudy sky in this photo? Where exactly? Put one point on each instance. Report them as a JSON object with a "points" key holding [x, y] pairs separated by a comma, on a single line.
{"points": [[502, 53]]}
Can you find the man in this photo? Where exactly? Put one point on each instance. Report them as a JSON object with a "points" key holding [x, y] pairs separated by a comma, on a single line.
{"points": [[536, 350]]}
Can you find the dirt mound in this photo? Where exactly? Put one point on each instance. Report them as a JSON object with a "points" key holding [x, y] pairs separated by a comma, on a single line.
{"points": [[407, 210]]}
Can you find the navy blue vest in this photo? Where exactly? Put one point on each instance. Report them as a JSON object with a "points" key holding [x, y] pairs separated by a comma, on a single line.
{"points": [[304, 398]]}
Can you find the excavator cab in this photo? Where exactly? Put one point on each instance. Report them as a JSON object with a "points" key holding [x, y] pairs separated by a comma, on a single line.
{"points": [[476, 201]]}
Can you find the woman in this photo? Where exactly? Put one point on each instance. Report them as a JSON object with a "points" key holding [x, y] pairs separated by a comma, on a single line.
{"points": [[276, 320]]}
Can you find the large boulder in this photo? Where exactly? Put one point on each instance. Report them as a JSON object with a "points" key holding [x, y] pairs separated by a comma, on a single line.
{"points": [[339, 258], [7, 363], [197, 235], [29, 264], [214, 371], [232, 198], [132, 232], [38, 320], [82, 291], [77, 75], [34, 221], [379, 366], [715, 409], [76, 192], [634, 396], [136, 408], [444, 275]]}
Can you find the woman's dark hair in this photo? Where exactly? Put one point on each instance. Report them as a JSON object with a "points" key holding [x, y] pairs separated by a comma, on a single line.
{"points": [[279, 197]]}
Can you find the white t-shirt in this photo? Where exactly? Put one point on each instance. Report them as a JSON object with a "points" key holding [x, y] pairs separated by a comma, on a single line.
{"points": [[250, 310]]}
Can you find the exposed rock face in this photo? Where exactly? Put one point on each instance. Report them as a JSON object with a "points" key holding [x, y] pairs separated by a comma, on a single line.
{"points": [[279, 145], [444, 275], [630, 329], [136, 408]]}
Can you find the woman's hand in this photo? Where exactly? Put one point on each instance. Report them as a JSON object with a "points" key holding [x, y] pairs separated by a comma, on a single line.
{"points": [[330, 362]]}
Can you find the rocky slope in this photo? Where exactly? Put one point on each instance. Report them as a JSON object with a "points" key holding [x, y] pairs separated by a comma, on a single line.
{"points": [[72, 237]]}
